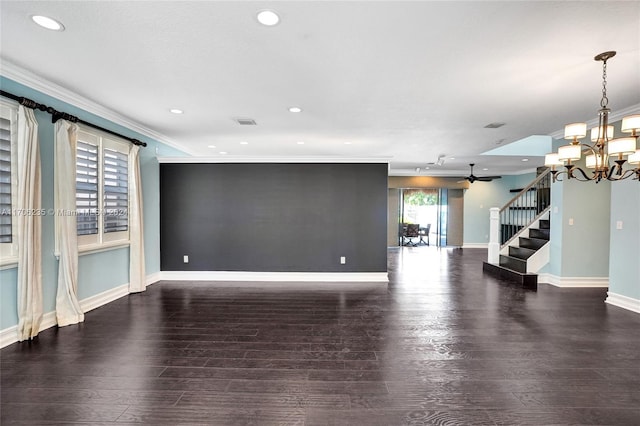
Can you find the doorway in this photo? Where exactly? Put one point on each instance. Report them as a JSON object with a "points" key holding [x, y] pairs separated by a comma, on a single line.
{"points": [[441, 208], [421, 206]]}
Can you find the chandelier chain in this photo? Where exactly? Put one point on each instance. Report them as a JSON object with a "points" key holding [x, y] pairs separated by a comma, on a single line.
{"points": [[604, 101]]}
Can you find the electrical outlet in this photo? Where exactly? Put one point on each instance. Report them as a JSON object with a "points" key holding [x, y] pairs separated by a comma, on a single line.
{"points": [[185, 258], [570, 221], [343, 260], [619, 224]]}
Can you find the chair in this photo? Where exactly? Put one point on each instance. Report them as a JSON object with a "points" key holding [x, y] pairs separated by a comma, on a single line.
{"points": [[424, 232], [410, 231]]}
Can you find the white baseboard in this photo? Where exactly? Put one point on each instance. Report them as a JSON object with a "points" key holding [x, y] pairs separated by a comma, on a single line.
{"points": [[475, 245], [275, 276], [101, 299], [596, 282], [153, 278], [9, 335], [624, 302]]}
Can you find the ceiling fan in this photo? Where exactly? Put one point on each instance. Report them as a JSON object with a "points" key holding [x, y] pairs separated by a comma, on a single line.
{"points": [[472, 178]]}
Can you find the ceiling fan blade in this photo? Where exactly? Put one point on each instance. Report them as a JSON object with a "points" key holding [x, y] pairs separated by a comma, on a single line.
{"points": [[472, 178]]}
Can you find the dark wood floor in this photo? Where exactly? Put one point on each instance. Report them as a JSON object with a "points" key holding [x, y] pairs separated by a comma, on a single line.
{"points": [[442, 344]]}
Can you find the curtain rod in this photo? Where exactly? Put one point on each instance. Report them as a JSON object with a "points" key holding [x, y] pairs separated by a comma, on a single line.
{"points": [[57, 115]]}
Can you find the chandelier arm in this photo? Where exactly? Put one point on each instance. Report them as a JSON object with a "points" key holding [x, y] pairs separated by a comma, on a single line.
{"points": [[558, 174], [586, 148], [585, 178], [627, 174]]}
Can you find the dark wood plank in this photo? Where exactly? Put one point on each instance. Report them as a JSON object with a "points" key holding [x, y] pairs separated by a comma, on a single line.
{"points": [[441, 344], [42, 412]]}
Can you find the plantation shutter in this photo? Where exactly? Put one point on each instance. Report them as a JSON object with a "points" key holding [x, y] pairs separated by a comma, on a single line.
{"points": [[5, 181], [87, 188], [116, 192]]}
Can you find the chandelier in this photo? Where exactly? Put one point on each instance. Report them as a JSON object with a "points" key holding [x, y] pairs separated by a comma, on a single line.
{"points": [[603, 148]]}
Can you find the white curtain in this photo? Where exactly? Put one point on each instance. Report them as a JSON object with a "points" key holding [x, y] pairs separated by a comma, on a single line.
{"points": [[68, 309], [29, 228], [137, 278]]}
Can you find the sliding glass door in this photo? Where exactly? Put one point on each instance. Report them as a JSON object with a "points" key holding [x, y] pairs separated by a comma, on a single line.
{"points": [[421, 207], [443, 215]]}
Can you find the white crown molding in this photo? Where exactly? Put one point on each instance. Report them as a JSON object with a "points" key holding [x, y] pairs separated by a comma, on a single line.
{"points": [[267, 159], [458, 175], [523, 171], [36, 82], [624, 302], [613, 117], [275, 277]]}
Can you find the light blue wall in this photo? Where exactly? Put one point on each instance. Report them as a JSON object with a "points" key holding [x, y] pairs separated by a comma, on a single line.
{"points": [[480, 197], [624, 261], [555, 249], [88, 264], [8, 298], [581, 249], [585, 244], [592, 247], [98, 272]]}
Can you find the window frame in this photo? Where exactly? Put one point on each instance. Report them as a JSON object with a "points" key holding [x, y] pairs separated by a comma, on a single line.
{"points": [[101, 240], [9, 251]]}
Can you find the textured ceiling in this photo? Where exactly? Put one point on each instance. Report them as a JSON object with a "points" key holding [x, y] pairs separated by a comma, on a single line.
{"points": [[403, 81]]}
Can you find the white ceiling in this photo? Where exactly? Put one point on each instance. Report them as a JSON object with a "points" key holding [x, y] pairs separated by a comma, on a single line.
{"points": [[403, 81]]}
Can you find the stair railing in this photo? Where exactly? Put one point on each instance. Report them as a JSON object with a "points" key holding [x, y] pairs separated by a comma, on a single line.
{"points": [[517, 214]]}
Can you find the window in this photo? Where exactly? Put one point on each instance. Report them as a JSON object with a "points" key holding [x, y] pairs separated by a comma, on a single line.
{"points": [[102, 190], [87, 188], [8, 182]]}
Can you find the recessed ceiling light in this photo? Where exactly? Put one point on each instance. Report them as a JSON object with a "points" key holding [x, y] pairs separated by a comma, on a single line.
{"points": [[295, 109], [223, 152], [176, 111], [48, 23], [347, 143], [211, 146], [268, 18], [244, 143], [300, 143], [452, 158], [525, 159], [485, 169], [427, 168]]}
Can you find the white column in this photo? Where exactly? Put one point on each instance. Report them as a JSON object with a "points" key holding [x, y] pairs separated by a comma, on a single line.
{"points": [[494, 235]]}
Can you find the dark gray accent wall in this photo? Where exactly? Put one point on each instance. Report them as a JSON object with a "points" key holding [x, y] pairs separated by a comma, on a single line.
{"points": [[273, 217]]}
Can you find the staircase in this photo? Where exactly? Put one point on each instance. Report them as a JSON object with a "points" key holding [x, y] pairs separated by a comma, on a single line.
{"points": [[520, 233]]}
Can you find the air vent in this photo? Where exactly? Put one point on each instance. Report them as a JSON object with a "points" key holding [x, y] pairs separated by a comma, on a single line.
{"points": [[246, 121], [494, 125]]}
